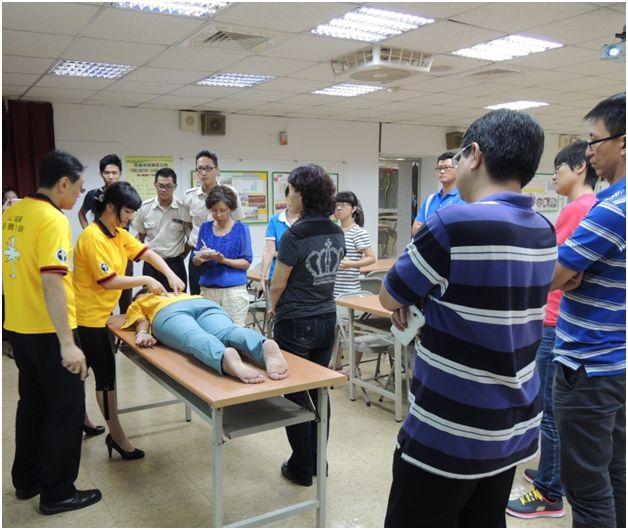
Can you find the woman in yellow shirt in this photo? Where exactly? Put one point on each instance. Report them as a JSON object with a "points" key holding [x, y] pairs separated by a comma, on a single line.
{"points": [[100, 261], [201, 328]]}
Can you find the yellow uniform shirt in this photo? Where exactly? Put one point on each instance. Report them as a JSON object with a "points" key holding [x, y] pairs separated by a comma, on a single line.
{"points": [[100, 255], [36, 238], [149, 305]]}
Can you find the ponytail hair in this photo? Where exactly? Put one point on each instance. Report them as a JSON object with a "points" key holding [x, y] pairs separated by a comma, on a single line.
{"points": [[351, 198]]}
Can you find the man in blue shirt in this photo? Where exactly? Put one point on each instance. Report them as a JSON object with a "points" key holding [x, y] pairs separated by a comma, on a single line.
{"points": [[446, 172], [590, 350]]}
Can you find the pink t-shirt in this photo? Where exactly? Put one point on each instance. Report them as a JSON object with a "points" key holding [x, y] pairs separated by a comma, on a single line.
{"points": [[568, 220]]}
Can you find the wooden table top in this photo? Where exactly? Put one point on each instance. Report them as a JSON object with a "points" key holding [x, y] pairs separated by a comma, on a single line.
{"points": [[369, 304], [222, 391]]}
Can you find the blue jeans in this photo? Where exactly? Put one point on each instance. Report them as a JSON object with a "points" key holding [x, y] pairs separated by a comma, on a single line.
{"points": [[313, 339], [591, 420], [203, 329], [548, 477]]}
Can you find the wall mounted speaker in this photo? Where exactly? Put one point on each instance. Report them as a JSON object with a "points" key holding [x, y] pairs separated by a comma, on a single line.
{"points": [[213, 124], [188, 121], [453, 140]]}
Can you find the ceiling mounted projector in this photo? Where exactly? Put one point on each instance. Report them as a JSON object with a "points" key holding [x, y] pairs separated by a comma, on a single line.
{"points": [[615, 51], [381, 64]]}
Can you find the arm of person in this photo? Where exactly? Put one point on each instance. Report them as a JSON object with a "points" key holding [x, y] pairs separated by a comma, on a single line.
{"points": [[368, 259], [565, 279], [141, 236], [267, 258], [158, 263], [415, 227], [128, 282], [72, 357], [278, 285], [234, 263], [399, 315], [82, 216], [142, 337]]}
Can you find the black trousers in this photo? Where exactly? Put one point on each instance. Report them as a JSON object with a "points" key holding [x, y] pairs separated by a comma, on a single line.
{"points": [[176, 264], [194, 277], [419, 499], [127, 295], [49, 421]]}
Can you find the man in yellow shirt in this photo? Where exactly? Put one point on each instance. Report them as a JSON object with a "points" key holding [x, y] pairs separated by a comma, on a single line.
{"points": [[41, 320]]}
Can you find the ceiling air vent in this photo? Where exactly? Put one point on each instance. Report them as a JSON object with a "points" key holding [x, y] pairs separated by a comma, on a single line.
{"points": [[382, 64], [227, 38]]}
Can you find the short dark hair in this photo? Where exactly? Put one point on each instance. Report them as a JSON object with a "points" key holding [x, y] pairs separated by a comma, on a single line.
{"points": [[208, 154], [316, 188], [222, 193], [573, 155], [612, 111], [110, 159], [121, 195], [511, 142], [445, 156], [56, 165], [351, 198], [166, 172]]}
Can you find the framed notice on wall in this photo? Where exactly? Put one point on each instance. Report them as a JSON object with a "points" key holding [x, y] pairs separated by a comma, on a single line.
{"points": [[279, 183], [140, 172], [252, 186], [542, 191]]}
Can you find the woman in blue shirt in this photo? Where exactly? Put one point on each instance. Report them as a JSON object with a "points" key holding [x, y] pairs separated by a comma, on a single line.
{"points": [[224, 253]]}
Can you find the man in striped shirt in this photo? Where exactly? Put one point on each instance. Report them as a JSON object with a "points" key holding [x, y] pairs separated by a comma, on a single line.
{"points": [[481, 273], [590, 351]]}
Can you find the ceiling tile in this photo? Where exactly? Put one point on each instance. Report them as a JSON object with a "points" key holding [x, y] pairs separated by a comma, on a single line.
{"points": [[582, 28], [313, 48], [206, 91], [288, 84], [19, 79], [596, 67], [60, 93], [553, 59], [122, 97], [269, 66], [33, 44], [47, 17], [13, 91], [179, 101], [429, 9], [25, 65], [150, 28], [56, 81], [196, 57], [110, 51], [255, 94], [164, 75], [143, 88]]}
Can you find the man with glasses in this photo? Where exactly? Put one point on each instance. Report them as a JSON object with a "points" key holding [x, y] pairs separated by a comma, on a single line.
{"points": [[590, 350], [163, 223], [481, 272], [194, 203], [446, 173]]}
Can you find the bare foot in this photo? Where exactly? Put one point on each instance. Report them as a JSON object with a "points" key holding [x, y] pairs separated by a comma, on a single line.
{"points": [[233, 365], [276, 365]]}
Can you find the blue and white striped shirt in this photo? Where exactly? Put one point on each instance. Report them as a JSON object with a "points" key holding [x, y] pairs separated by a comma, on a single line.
{"points": [[591, 326], [483, 271]]}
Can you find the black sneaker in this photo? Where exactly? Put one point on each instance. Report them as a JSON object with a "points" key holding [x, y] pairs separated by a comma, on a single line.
{"points": [[530, 475], [79, 500], [533, 505]]}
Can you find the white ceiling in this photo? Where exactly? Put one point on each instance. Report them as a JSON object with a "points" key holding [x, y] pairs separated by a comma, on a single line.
{"points": [[572, 78]]}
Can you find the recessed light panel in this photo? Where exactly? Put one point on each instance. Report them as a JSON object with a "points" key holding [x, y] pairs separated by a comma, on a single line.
{"points": [[507, 48], [518, 105], [188, 9], [234, 80], [347, 90], [370, 25], [71, 68]]}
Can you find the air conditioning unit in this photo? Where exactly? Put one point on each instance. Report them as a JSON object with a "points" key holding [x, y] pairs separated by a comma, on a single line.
{"points": [[453, 140], [381, 64], [188, 121], [213, 124]]}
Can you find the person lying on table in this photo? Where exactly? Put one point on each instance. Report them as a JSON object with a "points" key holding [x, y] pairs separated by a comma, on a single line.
{"points": [[199, 327]]}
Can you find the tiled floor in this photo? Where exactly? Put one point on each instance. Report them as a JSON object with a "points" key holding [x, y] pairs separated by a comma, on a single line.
{"points": [[171, 486]]}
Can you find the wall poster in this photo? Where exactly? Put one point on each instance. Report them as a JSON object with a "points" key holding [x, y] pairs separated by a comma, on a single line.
{"points": [[542, 191], [279, 183], [140, 171], [252, 186]]}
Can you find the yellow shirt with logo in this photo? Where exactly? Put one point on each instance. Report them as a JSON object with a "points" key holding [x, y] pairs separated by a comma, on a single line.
{"points": [[149, 305], [36, 239], [100, 256]]}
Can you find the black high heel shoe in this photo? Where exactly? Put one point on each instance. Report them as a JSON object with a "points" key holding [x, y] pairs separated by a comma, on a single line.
{"points": [[93, 431], [136, 454]]}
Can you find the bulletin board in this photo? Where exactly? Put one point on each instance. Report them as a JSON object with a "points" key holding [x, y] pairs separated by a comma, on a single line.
{"points": [[252, 187], [140, 172], [541, 188], [279, 183]]}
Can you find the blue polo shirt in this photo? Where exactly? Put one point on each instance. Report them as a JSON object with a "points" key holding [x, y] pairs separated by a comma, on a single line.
{"points": [[482, 272], [591, 325], [277, 226], [435, 202]]}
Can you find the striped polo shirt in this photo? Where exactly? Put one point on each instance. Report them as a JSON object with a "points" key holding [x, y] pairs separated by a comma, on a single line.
{"points": [[591, 326], [482, 272]]}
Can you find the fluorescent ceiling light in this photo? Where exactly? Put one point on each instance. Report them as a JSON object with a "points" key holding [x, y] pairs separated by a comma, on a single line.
{"points": [[234, 80], [347, 90], [507, 48], [518, 105], [70, 68], [370, 25], [188, 9]]}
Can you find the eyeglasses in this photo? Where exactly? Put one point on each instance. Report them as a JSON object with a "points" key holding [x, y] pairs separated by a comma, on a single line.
{"points": [[220, 212], [342, 205], [557, 168], [455, 160], [165, 187], [205, 169], [443, 168], [591, 143]]}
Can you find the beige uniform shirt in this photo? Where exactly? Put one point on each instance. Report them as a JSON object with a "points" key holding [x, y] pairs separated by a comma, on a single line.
{"points": [[166, 229], [194, 203]]}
